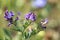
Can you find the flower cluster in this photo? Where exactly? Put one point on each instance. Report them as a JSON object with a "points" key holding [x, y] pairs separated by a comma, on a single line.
{"points": [[44, 22], [28, 27], [30, 16], [9, 17]]}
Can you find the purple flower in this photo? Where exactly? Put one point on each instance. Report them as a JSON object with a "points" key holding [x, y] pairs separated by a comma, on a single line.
{"points": [[44, 22], [17, 18], [39, 3], [27, 16], [18, 15], [12, 14], [9, 16], [31, 16], [6, 14]]}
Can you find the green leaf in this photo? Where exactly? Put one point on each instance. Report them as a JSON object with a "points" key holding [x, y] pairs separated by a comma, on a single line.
{"points": [[7, 37], [7, 32], [18, 28], [34, 32], [26, 23], [26, 35], [2, 35]]}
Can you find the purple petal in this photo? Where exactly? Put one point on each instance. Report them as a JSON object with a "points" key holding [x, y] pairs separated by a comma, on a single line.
{"points": [[46, 20], [17, 18], [6, 12], [5, 16], [12, 14], [9, 15], [28, 15], [33, 17]]}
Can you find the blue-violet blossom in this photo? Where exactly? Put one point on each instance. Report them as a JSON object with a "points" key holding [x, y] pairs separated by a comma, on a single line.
{"points": [[30, 16], [9, 17]]}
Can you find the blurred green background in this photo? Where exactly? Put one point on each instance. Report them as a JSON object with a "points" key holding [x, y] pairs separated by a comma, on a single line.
{"points": [[51, 11]]}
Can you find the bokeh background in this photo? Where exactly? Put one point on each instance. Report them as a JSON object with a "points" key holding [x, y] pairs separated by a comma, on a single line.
{"points": [[50, 11]]}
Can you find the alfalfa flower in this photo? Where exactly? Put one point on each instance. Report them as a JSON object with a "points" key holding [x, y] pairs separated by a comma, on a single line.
{"points": [[18, 15], [27, 16], [30, 16], [44, 22], [9, 16]]}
